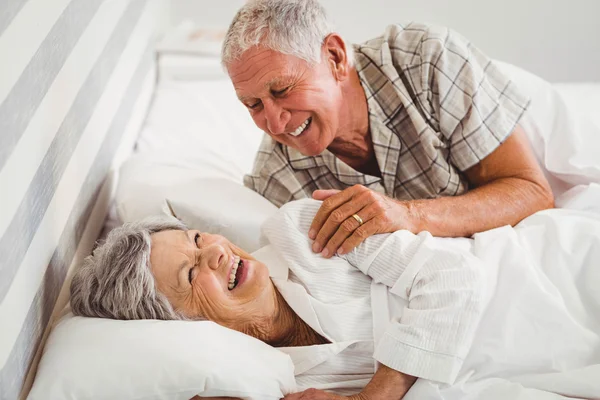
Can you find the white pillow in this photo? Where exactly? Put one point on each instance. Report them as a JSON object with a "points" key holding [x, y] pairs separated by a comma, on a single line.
{"points": [[215, 205], [103, 359], [227, 208], [200, 124]]}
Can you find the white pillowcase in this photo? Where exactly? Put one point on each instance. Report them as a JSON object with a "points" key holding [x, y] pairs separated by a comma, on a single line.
{"points": [[201, 125], [103, 359], [226, 208], [215, 205]]}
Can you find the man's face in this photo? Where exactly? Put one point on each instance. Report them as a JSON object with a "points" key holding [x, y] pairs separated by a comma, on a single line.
{"points": [[295, 103]]}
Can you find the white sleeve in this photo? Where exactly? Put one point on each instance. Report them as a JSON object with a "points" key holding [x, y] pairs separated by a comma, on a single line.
{"points": [[442, 282], [385, 257], [444, 287]]}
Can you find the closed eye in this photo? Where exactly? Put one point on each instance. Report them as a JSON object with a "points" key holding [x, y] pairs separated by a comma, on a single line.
{"points": [[197, 237], [253, 106], [279, 92]]}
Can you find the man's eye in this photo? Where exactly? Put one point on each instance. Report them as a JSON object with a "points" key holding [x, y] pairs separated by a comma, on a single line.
{"points": [[253, 106], [190, 275], [196, 238], [280, 92]]}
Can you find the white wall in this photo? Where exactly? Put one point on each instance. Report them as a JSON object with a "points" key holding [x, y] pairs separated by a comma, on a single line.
{"points": [[208, 13], [558, 40]]}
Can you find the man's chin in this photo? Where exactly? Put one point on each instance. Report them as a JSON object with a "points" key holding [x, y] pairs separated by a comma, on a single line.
{"points": [[310, 153], [311, 150]]}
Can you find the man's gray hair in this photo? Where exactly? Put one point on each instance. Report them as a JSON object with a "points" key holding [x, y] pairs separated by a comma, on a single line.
{"points": [[116, 281], [293, 27]]}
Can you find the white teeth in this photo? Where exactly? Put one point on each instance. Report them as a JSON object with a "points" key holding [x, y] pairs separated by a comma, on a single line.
{"points": [[236, 264], [301, 128]]}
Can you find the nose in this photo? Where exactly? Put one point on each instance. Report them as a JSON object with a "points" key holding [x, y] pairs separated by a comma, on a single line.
{"points": [[214, 256], [276, 117]]}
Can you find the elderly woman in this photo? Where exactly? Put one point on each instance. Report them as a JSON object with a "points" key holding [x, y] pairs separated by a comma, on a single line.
{"points": [[416, 129], [397, 308]]}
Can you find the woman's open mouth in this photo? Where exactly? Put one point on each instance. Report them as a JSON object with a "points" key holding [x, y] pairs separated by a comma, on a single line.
{"points": [[235, 276]]}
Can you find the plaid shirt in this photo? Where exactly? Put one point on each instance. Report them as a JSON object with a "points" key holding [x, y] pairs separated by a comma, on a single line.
{"points": [[437, 106]]}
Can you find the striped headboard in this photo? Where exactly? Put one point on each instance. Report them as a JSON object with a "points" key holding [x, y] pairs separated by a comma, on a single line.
{"points": [[76, 77]]}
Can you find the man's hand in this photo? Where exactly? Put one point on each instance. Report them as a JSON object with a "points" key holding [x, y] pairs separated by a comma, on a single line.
{"points": [[334, 229], [314, 394]]}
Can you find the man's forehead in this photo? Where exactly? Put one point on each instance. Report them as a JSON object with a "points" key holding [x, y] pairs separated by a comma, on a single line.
{"points": [[250, 74], [244, 91], [278, 80]]}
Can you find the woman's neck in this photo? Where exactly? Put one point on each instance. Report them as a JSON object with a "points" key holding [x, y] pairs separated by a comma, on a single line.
{"points": [[289, 330]]}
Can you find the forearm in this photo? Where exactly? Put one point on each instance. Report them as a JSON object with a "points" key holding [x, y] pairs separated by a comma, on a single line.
{"points": [[387, 384], [444, 285], [502, 202], [434, 333]]}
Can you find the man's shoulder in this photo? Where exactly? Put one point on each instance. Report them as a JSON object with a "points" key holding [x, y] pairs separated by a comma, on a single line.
{"points": [[411, 43]]}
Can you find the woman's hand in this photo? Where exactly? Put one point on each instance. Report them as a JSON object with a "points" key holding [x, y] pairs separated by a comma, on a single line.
{"points": [[334, 229], [315, 394]]}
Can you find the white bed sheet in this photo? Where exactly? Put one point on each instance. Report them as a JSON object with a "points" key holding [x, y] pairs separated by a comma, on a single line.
{"points": [[585, 97], [540, 334]]}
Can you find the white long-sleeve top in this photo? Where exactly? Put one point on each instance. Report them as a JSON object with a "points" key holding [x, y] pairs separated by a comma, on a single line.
{"points": [[411, 302]]}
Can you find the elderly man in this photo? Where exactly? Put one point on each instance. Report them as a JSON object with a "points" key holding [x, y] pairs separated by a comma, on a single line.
{"points": [[415, 129]]}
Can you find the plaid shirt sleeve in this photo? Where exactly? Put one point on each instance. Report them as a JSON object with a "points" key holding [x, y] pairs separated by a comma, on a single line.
{"points": [[475, 106]]}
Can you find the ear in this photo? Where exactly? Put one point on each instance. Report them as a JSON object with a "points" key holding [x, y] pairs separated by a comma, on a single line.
{"points": [[336, 56]]}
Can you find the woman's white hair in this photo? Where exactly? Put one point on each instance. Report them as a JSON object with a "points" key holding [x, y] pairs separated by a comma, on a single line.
{"points": [[116, 281], [293, 27]]}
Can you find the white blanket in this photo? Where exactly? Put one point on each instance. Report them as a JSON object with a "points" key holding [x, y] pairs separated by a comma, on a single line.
{"points": [[540, 335]]}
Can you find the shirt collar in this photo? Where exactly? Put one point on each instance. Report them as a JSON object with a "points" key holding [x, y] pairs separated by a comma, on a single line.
{"points": [[386, 143], [294, 294], [303, 357], [269, 256], [342, 171]]}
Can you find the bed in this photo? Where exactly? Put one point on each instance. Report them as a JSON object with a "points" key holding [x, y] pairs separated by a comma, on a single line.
{"points": [[197, 138]]}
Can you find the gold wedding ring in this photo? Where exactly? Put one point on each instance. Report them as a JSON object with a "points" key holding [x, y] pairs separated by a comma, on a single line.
{"points": [[358, 219]]}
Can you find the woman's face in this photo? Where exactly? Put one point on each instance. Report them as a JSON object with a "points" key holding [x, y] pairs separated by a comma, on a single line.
{"points": [[204, 275]]}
